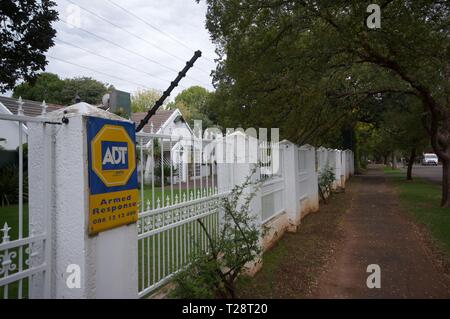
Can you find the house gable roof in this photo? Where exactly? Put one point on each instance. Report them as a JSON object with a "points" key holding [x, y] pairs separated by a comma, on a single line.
{"points": [[158, 120], [30, 108]]}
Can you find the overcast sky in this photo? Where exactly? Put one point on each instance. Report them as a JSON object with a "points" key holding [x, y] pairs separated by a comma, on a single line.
{"points": [[132, 43]]}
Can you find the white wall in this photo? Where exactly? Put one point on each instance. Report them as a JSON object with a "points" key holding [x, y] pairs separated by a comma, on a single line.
{"points": [[108, 261]]}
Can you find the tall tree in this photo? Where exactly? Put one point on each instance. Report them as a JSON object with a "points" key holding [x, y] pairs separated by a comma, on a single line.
{"points": [[46, 86], [401, 130], [52, 89], [306, 64], [410, 138], [26, 33], [143, 100], [193, 104], [88, 89]]}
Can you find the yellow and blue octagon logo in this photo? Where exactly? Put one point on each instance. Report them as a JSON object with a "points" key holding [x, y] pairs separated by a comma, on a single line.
{"points": [[113, 155]]}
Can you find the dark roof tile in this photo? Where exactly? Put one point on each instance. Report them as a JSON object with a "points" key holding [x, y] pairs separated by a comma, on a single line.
{"points": [[160, 117], [30, 108]]}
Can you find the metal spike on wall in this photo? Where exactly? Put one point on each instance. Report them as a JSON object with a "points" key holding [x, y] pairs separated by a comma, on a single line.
{"points": [[20, 106], [169, 90], [44, 108]]}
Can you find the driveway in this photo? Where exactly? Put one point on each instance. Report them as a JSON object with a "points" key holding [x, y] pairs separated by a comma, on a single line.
{"points": [[431, 173]]}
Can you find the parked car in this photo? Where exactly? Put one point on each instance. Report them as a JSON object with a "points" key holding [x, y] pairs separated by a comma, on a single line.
{"points": [[430, 159]]}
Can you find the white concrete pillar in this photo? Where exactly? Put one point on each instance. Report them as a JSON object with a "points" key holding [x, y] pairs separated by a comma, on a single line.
{"points": [[343, 169], [313, 180], [348, 155], [332, 165], [224, 169], [108, 260], [291, 183], [311, 204], [320, 158], [352, 163], [338, 165], [243, 167], [234, 172]]}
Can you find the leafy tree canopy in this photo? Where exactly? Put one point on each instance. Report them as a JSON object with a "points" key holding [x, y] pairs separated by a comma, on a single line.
{"points": [[46, 86], [194, 105], [143, 100], [52, 89], [90, 90], [399, 129], [26, 33], [309, 67]]}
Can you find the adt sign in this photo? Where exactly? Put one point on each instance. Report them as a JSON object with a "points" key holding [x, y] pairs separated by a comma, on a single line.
{"points": [[112, 174], [112, 151], [115, 155]]}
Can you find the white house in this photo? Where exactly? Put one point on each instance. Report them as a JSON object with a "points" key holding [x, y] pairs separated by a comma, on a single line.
{"points": [[175, 153], [9, 137]]}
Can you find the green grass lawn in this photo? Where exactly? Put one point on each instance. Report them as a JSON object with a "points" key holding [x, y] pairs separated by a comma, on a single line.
{"points": [[167, 252], [422, 200], [164, 253], [158, 194], [10, 215]]}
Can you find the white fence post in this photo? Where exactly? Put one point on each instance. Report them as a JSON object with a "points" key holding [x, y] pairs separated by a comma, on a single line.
{"points": [[343, 168], [337, 170], [225, 178], [347, 163], [291, 184], [309, 185], [105, 265], [332, 164], [313, 184], [320, 158], [40, 177], [352, 163], [237, 172]]}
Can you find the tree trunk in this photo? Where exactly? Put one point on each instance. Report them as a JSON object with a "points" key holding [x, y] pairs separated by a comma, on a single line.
{"points": [[412, 158], [445, 200]]}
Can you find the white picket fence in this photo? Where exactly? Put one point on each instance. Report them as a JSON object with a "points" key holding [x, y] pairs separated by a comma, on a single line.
{"points": [[169, 234], [181, 183], [181, 190]]}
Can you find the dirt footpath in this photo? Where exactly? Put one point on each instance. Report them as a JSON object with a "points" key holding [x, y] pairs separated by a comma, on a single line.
{"points": [[376, 231]]}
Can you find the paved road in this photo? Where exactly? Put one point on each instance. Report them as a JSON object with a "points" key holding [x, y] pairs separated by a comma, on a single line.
{"points": [[378, 232], [431, 173]]}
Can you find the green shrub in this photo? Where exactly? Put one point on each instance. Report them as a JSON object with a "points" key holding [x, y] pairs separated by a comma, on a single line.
{"points": [[200, 280], [231, 248], [9, 185], [166, 171], [326, 180]]}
